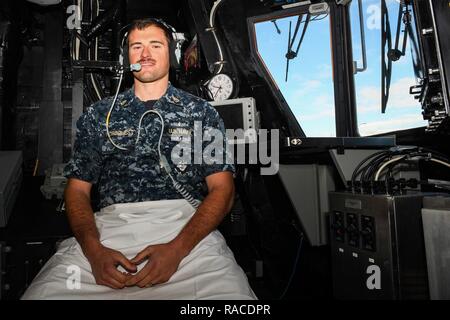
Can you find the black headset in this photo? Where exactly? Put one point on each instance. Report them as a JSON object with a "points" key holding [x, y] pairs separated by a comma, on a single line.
{"points": [[174, 44]]}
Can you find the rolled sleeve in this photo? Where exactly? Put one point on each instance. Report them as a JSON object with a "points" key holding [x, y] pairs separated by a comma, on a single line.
{"points": [[86, 160]]}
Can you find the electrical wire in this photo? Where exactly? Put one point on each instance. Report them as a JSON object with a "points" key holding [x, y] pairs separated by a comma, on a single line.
{"points": [[325, 15], [402, 157], [77, 47], [212, 18], [95, 87], [386, 164], [297, 258], [162, 127], [77, 40], [371, 168], [109, 114], [436, 154], [359, 167], [369, 174], [368, 171], [316, 18], [441, 162]]}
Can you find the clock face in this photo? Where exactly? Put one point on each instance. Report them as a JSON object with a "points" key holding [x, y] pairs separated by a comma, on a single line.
{"points": [[220, 87]]}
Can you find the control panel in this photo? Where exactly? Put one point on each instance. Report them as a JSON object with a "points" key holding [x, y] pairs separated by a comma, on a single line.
{"points": [[376, 240]]}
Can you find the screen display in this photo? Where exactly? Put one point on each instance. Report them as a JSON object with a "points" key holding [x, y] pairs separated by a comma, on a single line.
{"points": [[231, 115]]}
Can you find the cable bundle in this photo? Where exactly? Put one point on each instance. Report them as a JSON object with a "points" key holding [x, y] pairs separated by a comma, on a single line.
{"points": [[371, 168]]}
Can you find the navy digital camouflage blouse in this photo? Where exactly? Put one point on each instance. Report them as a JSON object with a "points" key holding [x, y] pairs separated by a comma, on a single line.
{"points": [[135, 175]]}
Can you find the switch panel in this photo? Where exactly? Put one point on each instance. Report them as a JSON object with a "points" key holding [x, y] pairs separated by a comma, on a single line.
{"points": [[353, 230], [338, 226], [368, 233]]}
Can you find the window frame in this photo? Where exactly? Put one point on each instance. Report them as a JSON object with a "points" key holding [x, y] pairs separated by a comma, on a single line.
{"points": [[342, 54]]}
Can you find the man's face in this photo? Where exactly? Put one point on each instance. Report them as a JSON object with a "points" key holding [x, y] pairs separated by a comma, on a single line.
{"points": [[150, 48]]}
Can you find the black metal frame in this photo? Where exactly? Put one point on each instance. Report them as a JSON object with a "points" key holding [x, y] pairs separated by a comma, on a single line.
{"points": [[344, 84], [342, 142]]}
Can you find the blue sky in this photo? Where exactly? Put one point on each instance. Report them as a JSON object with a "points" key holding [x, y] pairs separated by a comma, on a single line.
{"points": [[309, 90]]}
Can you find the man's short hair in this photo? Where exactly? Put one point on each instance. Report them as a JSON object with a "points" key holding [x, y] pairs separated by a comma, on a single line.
{"points": [[141, 24]]}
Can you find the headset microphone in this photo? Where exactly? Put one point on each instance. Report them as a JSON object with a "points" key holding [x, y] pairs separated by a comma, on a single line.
{"points": [[135, 67]]}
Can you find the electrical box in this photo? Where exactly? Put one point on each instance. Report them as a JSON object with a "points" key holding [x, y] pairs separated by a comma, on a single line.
{"points": [[377, 246]]}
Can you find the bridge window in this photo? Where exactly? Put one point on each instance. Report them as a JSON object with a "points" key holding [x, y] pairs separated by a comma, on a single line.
{"points": [[402, 110], [309, 87]]}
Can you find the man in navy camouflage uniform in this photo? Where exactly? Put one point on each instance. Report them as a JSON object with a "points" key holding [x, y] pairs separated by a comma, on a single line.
{"points": [[135, 174]]}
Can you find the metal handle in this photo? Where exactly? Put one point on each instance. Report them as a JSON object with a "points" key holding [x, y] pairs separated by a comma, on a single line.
{"points": [[363, 41]]}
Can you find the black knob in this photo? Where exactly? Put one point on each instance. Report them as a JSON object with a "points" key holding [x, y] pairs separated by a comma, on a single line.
{"points": [[366, 231]]}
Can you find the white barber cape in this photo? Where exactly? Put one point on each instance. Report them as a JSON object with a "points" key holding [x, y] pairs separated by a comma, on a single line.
{"points": [[208, 272]]}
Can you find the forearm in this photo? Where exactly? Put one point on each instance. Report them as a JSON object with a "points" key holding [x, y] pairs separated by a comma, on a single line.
{"points": [[206, 219], [82, 221]]}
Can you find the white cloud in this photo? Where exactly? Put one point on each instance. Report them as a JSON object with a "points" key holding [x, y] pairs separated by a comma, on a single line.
{"points": [[321, 107], [326, 113], [303, 88], [369, 97], [297, 76], [392, 124], [399, 94], [324, 72]]}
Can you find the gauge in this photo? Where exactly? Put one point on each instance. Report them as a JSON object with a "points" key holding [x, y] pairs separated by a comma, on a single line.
{"points": [[220, 87]]}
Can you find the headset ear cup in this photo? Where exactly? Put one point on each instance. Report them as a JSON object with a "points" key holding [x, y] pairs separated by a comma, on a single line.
{"points": [[174, 60], [126, 58]]}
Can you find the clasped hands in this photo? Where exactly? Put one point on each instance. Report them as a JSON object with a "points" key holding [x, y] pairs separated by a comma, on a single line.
{"points": [[161, 260]]}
